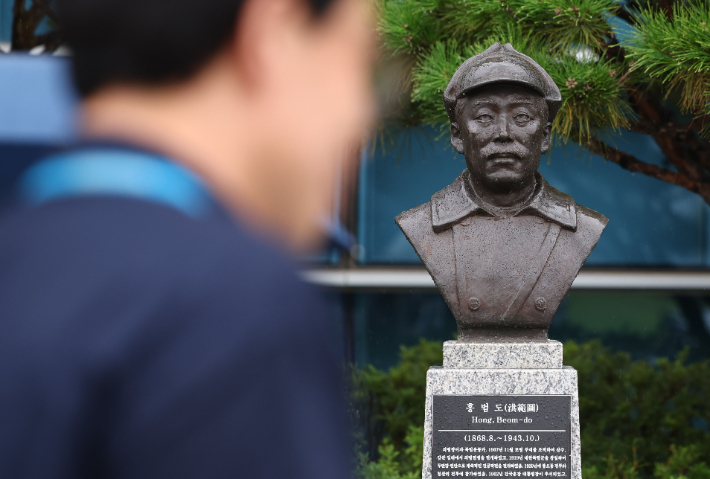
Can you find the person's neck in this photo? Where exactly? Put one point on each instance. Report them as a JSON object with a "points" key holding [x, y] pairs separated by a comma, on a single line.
{"points": [[505, 199], [201, 125]]}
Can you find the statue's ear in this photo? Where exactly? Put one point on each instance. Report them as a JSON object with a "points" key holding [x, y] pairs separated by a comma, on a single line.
{"points": [[546, 138], [456, 140]]}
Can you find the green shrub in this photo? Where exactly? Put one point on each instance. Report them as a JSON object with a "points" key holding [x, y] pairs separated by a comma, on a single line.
{"points": [[628, 406], [386, 404], [389, 465], [637, 419], [683, 462]]}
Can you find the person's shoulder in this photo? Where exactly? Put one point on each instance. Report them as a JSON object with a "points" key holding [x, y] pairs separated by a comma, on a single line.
{"points": [[144, 243], [119, 226], [167, 274]]}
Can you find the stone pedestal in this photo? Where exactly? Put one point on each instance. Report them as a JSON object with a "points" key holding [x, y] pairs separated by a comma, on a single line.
{"points": [[509, 371]]}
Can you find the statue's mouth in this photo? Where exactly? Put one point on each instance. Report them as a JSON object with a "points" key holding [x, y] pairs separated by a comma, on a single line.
{"points": [[504, 157]]}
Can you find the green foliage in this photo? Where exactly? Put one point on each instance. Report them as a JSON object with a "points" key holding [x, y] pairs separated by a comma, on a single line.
{"points": [[413, 26], [432, 74], [638, 419], [389, 465], [630, 405], [684, 462], [614, 469], [389, 407], [393, 399], [572, 39], [676, 51], [409, 27]]}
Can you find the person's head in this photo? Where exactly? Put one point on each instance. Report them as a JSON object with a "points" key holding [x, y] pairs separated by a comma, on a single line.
{"points": [[501, 105], [502, 129], [262, 97]]}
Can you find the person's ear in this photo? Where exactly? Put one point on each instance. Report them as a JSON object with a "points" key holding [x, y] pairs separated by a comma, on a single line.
{"points": [[456, 140], [266, 31], [546, 138]]}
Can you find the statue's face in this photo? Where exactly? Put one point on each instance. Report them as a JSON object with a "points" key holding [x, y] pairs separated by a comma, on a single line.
{"points": [[502, 130]]}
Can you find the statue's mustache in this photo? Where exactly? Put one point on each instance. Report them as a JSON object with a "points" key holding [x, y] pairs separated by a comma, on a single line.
{"points": [[509, 151]]}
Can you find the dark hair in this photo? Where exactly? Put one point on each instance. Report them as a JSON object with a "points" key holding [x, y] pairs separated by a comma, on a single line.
{"points": [[147, 41]]}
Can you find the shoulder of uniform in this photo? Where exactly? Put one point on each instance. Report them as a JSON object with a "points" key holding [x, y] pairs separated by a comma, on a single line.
{"points": [[591, 218], [452, 204], [453, 189], [415, 223], [590, 226], [416, 215]]}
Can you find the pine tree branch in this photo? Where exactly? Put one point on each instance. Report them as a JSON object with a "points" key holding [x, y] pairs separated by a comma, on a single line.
{"points": [[631, 163], [19, 7], [689, 145], [625, 15], [453, 7], [39, 8], [645, 107], [673, 149], [615, 51], [666, 7], [698, 147], [46, 9], [648, 127], [654, 114]]}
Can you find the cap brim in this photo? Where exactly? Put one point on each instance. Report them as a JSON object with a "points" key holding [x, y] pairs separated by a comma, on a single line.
{"points": [[496, 81]]}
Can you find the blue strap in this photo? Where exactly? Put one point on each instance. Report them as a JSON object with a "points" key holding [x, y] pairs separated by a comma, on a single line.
{"points": [[115, 172]]}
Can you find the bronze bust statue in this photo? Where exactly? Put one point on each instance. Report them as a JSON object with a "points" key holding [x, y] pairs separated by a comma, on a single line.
{"points": [[502, 245]]}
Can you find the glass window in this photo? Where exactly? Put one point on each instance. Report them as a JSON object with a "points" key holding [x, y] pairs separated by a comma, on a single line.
{"points": [[648, 325], [6, 21]]}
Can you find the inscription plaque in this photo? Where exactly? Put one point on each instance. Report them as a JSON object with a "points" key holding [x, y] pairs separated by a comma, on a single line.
{"points": [[501, 436]]}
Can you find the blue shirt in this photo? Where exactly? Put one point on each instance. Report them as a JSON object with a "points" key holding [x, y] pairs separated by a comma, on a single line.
{"points": [[142, 339]]}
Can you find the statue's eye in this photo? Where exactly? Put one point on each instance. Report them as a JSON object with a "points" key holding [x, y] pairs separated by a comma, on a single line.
{"points": [[484, 118], [522, 118]]}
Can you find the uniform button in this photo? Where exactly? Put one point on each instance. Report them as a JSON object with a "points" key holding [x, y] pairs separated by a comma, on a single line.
{"points": [[541, 304], [474, 304]]}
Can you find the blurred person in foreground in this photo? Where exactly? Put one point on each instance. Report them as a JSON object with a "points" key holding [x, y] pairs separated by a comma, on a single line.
{"points": [[152, 324]]}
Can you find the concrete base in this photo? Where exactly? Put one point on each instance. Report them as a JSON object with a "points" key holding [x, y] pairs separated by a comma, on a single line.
{"points": [[542, 355], [497, 379]]}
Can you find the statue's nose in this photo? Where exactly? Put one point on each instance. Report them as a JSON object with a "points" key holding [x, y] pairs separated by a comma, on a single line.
{"points": [[502, 129]]}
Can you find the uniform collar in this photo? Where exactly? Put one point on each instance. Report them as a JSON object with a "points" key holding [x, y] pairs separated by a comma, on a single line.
{"points": [[458, 201]]}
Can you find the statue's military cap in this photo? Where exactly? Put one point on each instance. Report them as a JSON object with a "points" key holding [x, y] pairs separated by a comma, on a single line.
{"points": [[501, 63]]}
